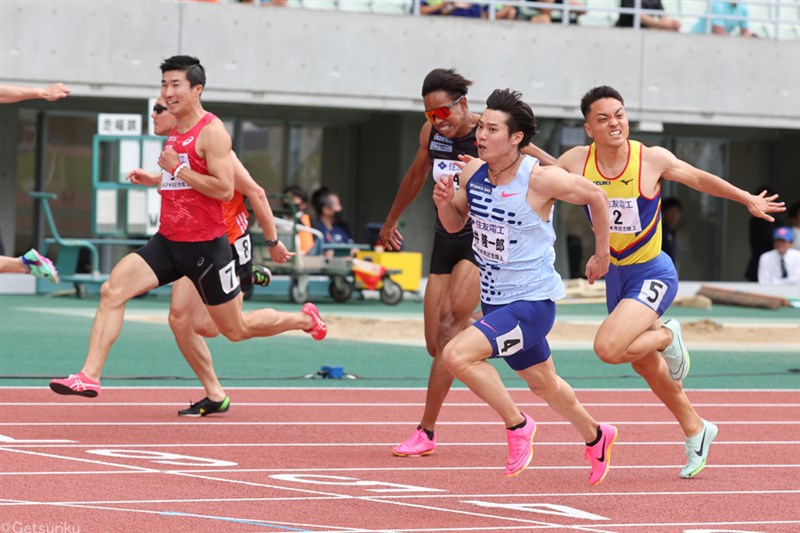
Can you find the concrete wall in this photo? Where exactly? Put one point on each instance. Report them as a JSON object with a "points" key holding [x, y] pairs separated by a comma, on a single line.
{"points": [[353, 60], [366, 70]]}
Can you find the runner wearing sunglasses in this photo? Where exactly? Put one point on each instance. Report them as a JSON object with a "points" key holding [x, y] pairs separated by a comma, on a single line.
{"points": [[452, 293]]}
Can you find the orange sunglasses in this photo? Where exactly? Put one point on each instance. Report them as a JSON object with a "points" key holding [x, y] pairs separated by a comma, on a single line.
{"points": [[443, 112]]}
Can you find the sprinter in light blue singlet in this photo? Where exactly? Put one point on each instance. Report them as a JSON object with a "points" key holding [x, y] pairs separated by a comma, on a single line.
{"points": [[510, 199]]}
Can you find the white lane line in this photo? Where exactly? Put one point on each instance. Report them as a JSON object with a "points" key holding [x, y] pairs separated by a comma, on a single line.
{"points": [[68, 458]]}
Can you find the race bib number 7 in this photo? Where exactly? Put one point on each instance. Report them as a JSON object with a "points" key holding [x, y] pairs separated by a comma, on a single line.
{"points": [[228, 278]]}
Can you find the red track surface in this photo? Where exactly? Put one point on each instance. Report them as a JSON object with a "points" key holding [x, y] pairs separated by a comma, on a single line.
{"points": [[319, 460]]}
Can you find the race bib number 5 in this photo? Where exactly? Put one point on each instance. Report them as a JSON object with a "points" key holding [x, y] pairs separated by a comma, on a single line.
{"points": [[652, 292]]}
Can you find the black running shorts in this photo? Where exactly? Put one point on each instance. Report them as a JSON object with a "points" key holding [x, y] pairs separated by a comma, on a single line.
{"points": [[242, 250], [448, 250], [208, 264]]}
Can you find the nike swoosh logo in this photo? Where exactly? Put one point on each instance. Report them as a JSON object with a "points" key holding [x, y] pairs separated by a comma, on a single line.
{"points": [[508, 194], [702, 444], [602, 447]]}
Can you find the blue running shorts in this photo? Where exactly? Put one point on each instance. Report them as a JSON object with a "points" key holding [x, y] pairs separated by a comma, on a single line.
{"points": [[518, 331], [654, 283]]}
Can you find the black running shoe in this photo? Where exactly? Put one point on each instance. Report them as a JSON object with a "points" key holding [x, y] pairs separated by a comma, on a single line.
{"points": [[206, 407], [261, 275]]}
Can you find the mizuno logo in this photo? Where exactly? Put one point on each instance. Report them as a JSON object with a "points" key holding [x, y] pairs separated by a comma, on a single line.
{"points": [[505, 194], [626, 182], [702, 444]]}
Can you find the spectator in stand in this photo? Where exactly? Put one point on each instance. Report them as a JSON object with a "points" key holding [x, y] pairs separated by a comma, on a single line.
{"points": [[328, 207], [725, 26], [453, 9], [794, 223], [657, 22], [502, 12], [297, 195], [671, 210], [546, 16], [780, 266]]}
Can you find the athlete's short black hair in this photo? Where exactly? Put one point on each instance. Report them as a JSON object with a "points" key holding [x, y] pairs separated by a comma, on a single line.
{"points": [[195, 72], [520, 114], [448, 80], [598, 93]]}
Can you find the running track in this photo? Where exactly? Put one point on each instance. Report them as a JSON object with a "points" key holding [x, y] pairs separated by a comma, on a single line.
{"points": [[318, 461]]}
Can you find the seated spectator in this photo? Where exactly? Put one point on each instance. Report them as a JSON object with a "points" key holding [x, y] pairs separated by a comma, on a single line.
{"points": [[725, 26], [328, 208], [671, 210], [453, 9], [657, 22], [502, 12], [298, 196], [781, 265], [547, 16]]}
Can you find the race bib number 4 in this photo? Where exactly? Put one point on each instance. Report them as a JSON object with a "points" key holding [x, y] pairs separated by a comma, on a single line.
{"points": [[490, 240], [624, 214]]}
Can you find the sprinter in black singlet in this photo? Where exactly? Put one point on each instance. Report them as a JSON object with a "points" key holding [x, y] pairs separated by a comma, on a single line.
{"points": [[452, 292]]}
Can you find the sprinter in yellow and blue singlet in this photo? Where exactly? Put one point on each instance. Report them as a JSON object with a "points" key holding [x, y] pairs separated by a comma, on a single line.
{"points": [[639, 269]]}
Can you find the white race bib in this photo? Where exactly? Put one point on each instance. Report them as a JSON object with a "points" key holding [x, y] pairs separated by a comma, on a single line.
{"points": [[170, 182], [243, 249], [490, 240], [443, 168], [624, 214], [228, 277]]}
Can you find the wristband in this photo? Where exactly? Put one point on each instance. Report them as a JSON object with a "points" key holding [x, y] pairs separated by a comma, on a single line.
{"points": [[178, 169], [271, 243]]}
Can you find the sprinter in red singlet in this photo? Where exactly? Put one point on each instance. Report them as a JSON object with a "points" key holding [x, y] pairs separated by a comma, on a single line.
{"points": [[197, 177]]}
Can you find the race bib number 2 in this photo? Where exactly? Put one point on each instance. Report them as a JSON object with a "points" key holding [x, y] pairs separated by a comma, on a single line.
{"points": [[624, 214]]}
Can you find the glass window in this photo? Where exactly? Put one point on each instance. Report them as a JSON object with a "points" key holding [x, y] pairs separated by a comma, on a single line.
{"points": [[67, 172], [261, 150]]}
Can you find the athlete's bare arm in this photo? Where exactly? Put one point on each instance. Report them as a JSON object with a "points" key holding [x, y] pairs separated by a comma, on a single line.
{"points": [[245, 184], [10, 94], [410, 187], [662, 163], [554, 183], [139, 176], [543, 157], [573, 160], [452, 205], [213, 145]]}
